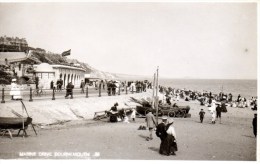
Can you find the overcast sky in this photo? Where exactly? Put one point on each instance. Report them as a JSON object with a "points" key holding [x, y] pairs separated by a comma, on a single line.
{"points": [[194, 40]]}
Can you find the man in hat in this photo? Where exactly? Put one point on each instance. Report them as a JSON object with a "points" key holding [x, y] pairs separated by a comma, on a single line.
{"points": [[150, 120], [161, 131]]}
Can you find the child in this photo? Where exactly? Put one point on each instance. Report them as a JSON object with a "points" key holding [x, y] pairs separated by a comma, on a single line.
{"points": [[201, 113], [133, 114]]}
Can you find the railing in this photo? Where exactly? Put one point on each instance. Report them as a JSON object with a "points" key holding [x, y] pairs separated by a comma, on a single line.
{"points": [[53, 94]]}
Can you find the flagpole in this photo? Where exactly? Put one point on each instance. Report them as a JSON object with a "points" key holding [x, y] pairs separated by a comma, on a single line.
{"points": [[156, 94], [153, 106]]}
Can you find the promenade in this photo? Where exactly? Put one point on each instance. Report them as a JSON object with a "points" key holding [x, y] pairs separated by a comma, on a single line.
{"points": [[232, 140]]}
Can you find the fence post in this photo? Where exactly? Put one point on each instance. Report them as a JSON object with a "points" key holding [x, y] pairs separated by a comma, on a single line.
{"points": [[126, 89], [30, 94], [3, 95], [132, 89], [99, 90], [119, 90], [53, 94], [87, 92]]}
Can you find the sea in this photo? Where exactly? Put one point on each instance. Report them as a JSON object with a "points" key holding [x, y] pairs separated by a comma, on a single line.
{"points": [[246, 88]]}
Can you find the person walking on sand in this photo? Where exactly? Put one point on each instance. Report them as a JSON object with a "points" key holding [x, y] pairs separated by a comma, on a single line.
{"points": [[150, 120], [255, 124], [201, 113]]}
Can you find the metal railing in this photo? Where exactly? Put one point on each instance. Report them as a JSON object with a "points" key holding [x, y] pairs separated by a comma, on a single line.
{"points": [[53, 94]]}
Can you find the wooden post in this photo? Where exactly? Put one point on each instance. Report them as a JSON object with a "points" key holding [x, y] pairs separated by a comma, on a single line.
{"points": [[126, 89], [3, 95], [53, 94], [119, 90], [87, 92], [30, 95]]}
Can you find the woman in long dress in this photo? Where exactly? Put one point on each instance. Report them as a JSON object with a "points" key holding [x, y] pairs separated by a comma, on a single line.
{"points": [[169, 144], [212, 110]]}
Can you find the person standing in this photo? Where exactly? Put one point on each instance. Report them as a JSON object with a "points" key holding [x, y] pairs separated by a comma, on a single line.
{"points": [[169, 145], [69, 88], [133, 114], [82, 86], [238, 98], [218, 110], [255, 124], [150, 120], [14, 90], [51, 84], [212, 110], [201, 113], [58, 83], [161, 132]]}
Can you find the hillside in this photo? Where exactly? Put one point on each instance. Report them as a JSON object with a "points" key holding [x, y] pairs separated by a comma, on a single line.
{"points": [[51, 58]]}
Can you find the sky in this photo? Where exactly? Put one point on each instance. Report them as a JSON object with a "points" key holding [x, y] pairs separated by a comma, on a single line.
{"points": [[185, 40]]}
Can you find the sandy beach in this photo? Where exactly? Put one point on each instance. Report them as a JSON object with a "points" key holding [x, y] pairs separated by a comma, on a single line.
{"points": [[80, 137]]}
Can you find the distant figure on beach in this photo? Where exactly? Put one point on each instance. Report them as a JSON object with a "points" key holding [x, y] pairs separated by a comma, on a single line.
{"points": [[82, 86], [230, 97], [212, 110], [201, 113], [218, 110], [238, 98], [114, 107], [255, 124], [133, 114], [69, 90], [150, 120]]}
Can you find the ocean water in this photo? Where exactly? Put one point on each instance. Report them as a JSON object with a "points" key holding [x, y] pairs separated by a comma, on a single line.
{"points": [[246, 88]]}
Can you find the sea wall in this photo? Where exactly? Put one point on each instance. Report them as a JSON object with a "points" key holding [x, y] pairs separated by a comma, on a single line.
{"points": [[59, 110]]}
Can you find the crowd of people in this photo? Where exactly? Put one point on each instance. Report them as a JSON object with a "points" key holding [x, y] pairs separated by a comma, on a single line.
{"points": [[206, 98]]}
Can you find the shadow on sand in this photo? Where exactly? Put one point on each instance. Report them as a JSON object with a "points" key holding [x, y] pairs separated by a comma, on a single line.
{"points": [[154, 149], [248, 136], [142, 136]]}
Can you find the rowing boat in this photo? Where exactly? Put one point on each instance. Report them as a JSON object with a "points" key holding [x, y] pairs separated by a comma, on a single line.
{"points": [[14, 122]]}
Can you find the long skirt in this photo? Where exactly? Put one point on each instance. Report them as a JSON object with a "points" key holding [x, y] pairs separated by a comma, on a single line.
{"points": [[168, 145]]}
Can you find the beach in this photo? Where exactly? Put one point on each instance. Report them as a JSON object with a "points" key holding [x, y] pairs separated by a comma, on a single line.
{"points": [[76, 135]]}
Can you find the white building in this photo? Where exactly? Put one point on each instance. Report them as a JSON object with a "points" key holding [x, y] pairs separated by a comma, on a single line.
{"points": [[48, 73]]}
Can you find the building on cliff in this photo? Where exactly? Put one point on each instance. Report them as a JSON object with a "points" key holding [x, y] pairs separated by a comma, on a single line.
{"points": [[11, 44]]}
